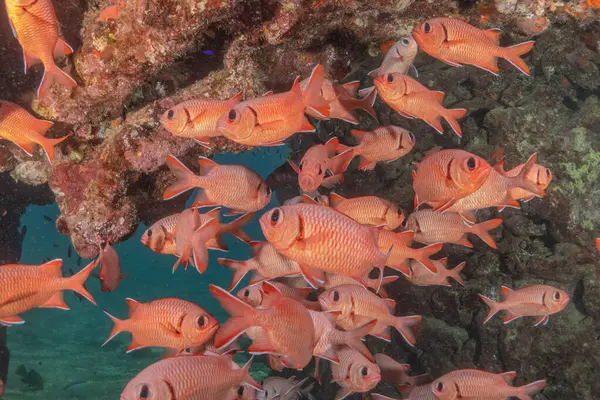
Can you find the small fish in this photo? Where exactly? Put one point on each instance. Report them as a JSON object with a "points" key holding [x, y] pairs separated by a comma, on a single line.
{"points": [[188, 378], [334, 280], [538, 174], [49, 219], [254, 295], [431, 227], [267, 263], [394, 373], [386, 143], [69, 251], [110, 268], [209, 52], [277, 387], [270, 119], [310, 234], [197, 119], [399, 58], [421, 276], [410, 99], [35, 26], [475, 384], [317, 161], [401, 252], [343, 101], [457, 43], [539, 301], [23, 129], [357, 306], [368, 210], [217, 184], [171, 323], [25, 287], [111, 12], [445, 176], [280, 326], [354, 373]]}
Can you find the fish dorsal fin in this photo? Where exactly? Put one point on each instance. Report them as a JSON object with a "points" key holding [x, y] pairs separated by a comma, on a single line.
{"points": [[444, 261], [206, 165], [269, 93], [494, 34], [41, 126], [235, 99], [505, 291], [404, 237], [335, 200], [53, 267], [308, 200], [296, 87], [391, 305], [358, 135], [332, 145], [352, 87], [271, 294], [439, 96], [132, 304], [509, 377]]}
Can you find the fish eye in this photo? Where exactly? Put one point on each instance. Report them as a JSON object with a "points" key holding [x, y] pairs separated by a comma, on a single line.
{"points": [[404, 223], [439, 386], [247, 293], [232, 115], [364, 371], [336, 296], [268, 190], [405, 42], [240, 391], [320, 170], [144, 392], [471, 163], [149, 232], [547, 172], [171, 114], [275, 216], [427, 27], [556, 296], [203, 321], [390, 78], [411, 136]]}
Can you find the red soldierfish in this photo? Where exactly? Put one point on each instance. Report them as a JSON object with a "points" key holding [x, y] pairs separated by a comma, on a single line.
{"points": [[233, 186], [434, 227], [421, 276], [269, 120], [475, 384], [358, 306], [24, 130], [456, 43], [445, 176], [321, 239], [355, 373], [111, 12], [188, 378], [281, 326], [368, 210], [342, 100], [110, 268], [538, 174], [34, 24], [401, 252], [25, 287], [410, 99], [254, 295], [267, 263], [539, 301], [386, 143], [171, 323], [197, 119], [317, 161], [191, 235]]}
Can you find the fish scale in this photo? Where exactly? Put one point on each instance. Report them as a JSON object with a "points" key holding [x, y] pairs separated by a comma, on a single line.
{"points": [[429, 226], [370, 210], [527, 301], [385, 144], [220, 181]]}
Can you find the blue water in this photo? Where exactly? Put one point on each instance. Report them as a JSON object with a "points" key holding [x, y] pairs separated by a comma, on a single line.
{"points": [[64, 347]]}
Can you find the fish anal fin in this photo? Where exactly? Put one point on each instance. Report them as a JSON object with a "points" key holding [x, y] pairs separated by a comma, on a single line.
{"points": [[134, 346], [11, 320], [494, 35], [56, 301], [306, 126], [62, 48]]}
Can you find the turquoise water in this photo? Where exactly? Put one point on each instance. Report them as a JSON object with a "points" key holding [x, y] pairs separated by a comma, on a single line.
{"points": [[64, 347]]}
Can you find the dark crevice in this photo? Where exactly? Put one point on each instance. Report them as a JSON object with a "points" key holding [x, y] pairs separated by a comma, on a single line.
{"points": [[577, 297]]}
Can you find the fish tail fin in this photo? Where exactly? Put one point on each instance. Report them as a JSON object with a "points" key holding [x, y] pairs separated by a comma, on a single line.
{"points": [[185, 178], [423, 255], [405, 326], [247, 380], [76, 282], [235, 227], [455, 273], [239, 268], [242, 316], [312, 94], [452, 116], [513, 55], [494, 308], [48, 145], [117, 328], [528, 391], [354, 339], [368, 102], [54, 74], [482, 230]]}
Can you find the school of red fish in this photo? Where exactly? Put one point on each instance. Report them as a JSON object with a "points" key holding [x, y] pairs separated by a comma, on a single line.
{"points": [[311, 294]]}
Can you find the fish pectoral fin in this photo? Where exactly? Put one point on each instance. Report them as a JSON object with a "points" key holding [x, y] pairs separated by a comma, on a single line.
{"points": [[270, 126], [331, 181], [56, 301], [314, 277], [542, 320], [11, 320], [452, 63], [197, 118]]}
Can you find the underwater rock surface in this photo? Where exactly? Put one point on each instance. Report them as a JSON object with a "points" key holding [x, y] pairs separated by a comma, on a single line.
{"points": [[110, 175]]}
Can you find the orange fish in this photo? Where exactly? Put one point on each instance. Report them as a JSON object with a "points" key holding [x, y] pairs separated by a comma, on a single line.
{"points": [[197, 119], [233, 186], [497, 191], [358, 306], [171, 323], [110, 268], [334, 280], [254, 295], [538, 174], [317, 161], [457, 43], [539, 301], [475, 384], [343, 101], [368, 210], [410, 99], [281, 326], [25, 287], [434, 227], [35, 26], [394, 373], [386, 143], [269, 120], [188, 378], [191, 235], [24, 130], [598, 244], [401, 252], [445, 176], [355, 373], [267, 263], [111, 12], [421, 276], [321, 239]]}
